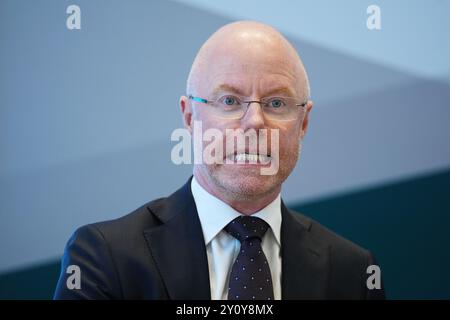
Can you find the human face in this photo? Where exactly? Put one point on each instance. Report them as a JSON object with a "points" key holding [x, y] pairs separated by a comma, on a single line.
{"points": [[254, 68]]}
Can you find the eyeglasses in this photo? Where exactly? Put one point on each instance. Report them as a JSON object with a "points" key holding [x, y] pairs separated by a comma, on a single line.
{"points": [[235, 107]]}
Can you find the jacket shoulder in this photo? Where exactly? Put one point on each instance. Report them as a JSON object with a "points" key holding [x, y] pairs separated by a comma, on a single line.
{"points": [[132, 223], [329, 238], [348, 262]]}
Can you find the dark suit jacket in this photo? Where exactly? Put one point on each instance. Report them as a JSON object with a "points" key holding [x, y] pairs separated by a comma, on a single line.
{"points": [[158, 252]]}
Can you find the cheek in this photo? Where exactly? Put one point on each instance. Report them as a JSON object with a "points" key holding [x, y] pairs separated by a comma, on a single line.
{"points": [[288, 147], [209, 122], [289, 138], [214, 134]]}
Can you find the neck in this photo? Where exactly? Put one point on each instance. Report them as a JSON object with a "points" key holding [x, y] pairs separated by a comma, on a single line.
{"points": [[244, 204]]}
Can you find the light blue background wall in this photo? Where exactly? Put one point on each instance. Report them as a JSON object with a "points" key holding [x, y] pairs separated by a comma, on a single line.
{"points": [[86, 118]]}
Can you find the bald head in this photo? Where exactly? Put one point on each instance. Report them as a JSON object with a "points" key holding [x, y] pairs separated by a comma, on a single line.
{"points": [[246, 46]]}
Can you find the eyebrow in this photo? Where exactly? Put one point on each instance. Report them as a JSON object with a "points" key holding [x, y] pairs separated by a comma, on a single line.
{"points": [[281, 90], [228, 88], [232, 89]]}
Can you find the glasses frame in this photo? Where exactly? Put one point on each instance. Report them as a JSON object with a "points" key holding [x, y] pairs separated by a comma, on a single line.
{"points": [[206, 101]]}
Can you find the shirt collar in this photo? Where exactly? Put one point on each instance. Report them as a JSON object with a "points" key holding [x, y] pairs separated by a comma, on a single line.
{"points": [[214, 214]]}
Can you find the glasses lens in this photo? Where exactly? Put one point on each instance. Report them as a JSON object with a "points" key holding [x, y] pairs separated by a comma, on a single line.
{"points": [[229, 107], [282, 108]]}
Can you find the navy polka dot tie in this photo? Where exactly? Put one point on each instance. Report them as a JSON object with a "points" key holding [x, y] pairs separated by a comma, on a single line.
{"points": [[250, 277]]}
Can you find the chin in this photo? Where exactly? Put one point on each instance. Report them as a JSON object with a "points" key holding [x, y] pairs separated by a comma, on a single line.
{"points": [[246, 182]]}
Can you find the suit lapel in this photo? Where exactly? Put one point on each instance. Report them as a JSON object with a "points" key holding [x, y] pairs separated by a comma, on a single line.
{"points": [[178, 247], [304, 259]]}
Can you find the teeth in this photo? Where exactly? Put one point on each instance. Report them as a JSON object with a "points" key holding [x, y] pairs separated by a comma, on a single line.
{"points": [[251, 158]]}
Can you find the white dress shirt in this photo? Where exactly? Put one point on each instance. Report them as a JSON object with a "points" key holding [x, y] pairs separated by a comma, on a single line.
{"points": [[222, 248]]}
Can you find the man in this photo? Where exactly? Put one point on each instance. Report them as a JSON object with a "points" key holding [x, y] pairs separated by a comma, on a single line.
{"points": [[226, 234]]}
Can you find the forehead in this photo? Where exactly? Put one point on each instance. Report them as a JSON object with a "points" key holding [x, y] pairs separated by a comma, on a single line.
{"points": [[250, 71], [248, 80], [248, 84]]}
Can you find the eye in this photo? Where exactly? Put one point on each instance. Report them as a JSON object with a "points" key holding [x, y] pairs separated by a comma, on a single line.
{"points": [[276, 103], [229, 100]]}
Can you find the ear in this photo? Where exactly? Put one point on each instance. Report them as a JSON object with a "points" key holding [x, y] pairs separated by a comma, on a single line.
{"points": [[304, 127], [186, 112]]}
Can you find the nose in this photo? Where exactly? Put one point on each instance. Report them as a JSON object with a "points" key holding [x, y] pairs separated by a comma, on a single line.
{"points": [[253, 117]]}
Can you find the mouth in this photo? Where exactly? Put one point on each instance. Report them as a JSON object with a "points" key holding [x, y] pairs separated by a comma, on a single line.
{"points": [[249, 158]]}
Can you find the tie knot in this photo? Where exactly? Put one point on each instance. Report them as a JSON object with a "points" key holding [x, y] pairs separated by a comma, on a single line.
{"points": [[247, 227]]}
